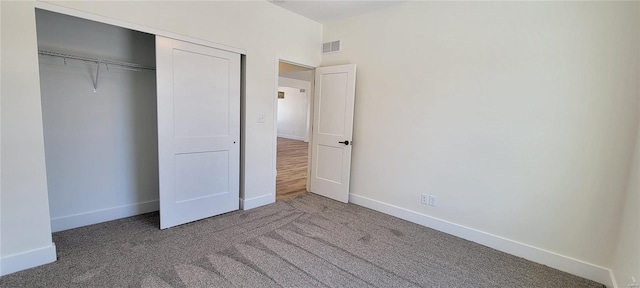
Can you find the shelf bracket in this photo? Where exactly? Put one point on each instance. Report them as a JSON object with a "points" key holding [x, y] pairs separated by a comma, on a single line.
{"points": [[95, 82]]}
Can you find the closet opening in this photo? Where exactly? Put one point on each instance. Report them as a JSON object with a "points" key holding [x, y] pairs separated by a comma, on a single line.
{"points": [[99, 113], [294, 121]]}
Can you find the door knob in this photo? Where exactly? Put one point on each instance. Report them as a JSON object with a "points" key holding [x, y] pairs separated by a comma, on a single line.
{"points": [[345, 142]]}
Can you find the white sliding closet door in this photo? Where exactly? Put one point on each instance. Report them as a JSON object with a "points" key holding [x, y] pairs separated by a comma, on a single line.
{"points": [[198, 131]]}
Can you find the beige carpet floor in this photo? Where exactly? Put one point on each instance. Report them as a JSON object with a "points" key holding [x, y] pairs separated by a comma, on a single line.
{"points": [[308, 241]]}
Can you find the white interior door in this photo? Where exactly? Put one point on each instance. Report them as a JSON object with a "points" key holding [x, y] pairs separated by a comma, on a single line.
{"points": [[332, 130], [198, 131]]}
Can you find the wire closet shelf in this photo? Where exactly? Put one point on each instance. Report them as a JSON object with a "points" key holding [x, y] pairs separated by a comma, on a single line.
{"points": [[65, 56], [107, 63]]}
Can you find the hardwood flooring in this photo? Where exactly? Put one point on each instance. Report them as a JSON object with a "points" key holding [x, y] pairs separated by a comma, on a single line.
{"points": [[292, 168]]}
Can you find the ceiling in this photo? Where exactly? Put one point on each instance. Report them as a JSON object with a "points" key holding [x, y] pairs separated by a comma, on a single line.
{"points": [[327, 11], [284, 67]]}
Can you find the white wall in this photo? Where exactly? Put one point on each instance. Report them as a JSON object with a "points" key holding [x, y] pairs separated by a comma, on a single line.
{"points": [[292, 114], [101, 148], [262, 29], [26, 232], [519, 116], [626, 263], [293, 110]]}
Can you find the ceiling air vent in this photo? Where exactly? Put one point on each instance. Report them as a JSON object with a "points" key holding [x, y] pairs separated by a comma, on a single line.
{"points": [[331, 47]]}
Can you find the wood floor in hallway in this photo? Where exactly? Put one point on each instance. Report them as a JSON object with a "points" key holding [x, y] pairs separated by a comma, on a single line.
{"points": [[292, 168]]}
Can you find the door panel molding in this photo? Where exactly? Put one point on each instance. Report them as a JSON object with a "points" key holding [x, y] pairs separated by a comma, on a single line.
{"points": [[198, 131], [332, 128]]}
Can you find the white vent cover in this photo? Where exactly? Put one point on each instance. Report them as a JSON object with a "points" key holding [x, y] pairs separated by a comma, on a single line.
{"points": [[331, 47]]}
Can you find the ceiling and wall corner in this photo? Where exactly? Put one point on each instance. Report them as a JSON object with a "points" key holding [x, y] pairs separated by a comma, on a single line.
{"points": [[293, 71], [328, 11], [284, 67]]}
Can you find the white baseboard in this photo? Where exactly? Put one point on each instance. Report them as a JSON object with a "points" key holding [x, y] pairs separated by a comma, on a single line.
{"points": [[545, 257], [29, 259], [246, 204], [102, 215], [301, 138]]}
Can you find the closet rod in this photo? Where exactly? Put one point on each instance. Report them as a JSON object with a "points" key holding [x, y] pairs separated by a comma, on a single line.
{"points": [[95, 60]]}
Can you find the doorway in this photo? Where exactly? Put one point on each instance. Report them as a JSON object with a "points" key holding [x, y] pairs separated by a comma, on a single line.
{"points": [[293, 129]]}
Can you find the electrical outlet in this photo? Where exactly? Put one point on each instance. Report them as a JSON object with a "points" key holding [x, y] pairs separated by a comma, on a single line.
{"points": [[433, 200], [424, 199], [429, 200], [261, 118]]}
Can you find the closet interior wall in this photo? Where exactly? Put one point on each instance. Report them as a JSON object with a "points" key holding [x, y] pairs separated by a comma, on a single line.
{"points": [[100, 147]]}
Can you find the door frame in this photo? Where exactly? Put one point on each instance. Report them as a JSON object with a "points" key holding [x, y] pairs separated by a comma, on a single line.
{"points": [[310, 98]]}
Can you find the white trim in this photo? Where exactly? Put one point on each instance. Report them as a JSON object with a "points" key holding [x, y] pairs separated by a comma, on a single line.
{"points": [[28, 259], [312, 96], [275, 128], [102, 215], [247, 204], [535, 254], [106, 20]]}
